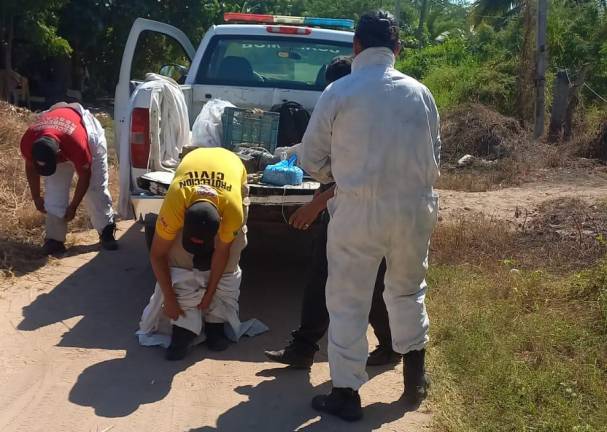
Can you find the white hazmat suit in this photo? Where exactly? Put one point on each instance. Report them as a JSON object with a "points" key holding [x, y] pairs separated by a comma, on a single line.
{"points": [[376, 134]]}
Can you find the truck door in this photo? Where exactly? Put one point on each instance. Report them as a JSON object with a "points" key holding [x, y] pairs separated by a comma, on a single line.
{"points": [[143, 53]]}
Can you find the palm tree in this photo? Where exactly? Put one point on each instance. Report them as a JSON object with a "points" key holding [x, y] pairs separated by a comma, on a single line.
{"points": [[496, 12]]}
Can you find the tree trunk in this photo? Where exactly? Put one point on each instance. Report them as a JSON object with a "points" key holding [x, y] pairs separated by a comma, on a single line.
{"points": [[525, 80], [574, 100], [423, 12], [540, 68], [559, 106], [7, 34]]}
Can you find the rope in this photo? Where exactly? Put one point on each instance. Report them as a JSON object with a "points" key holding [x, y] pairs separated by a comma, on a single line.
{"points": [[585, 85], [595, 93], [282, 206]]}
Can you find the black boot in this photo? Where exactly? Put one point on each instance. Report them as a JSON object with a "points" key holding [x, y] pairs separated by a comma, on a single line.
{"points": [[53, 247], [294, 355], [341, 402], [382, 356], [216, 338], [107, 239], [181, 342], [416, 380]]}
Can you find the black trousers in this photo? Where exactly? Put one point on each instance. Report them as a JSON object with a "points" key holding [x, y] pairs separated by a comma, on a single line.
{"points": [[314, 315]]}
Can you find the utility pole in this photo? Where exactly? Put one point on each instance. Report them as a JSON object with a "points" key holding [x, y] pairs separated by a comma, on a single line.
{"points": [[397, 13], [540, 68]]}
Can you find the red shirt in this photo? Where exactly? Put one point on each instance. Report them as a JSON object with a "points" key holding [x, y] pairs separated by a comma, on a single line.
{"points": [[65, 126]]}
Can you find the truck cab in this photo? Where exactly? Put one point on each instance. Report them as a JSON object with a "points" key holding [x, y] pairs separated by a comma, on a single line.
{"points": [[252, 61]]}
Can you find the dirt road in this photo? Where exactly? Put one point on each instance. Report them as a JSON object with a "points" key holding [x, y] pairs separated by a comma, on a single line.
{"points": [[503, 203], [70, 361]]}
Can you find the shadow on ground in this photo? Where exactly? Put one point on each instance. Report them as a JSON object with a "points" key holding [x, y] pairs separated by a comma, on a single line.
{"points": [[110, 291], [282, 404], [23, 258]]}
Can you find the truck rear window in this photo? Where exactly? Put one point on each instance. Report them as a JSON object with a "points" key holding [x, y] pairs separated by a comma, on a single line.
{"points": [[290, 63]]}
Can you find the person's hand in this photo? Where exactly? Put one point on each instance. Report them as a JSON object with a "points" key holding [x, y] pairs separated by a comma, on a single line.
{"points": [[288, 151], [171, 309], [304, 216], [70, 213], [39, 203], [207, 298]]}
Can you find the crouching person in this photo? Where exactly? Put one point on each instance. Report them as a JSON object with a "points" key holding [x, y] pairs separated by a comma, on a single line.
{"points": [[195, 251], [64, 139]]}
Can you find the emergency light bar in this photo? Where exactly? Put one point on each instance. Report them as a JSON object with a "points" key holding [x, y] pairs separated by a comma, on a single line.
{"points": [[288, 20]]}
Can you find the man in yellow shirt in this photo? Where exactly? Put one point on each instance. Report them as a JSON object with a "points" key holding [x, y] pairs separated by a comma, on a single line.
{"points": [[203, 207]]}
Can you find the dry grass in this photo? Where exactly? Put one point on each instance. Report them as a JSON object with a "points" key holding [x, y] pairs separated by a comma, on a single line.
{"points": [[22, 227], [481, 132], [560, 235], [519, 320]]}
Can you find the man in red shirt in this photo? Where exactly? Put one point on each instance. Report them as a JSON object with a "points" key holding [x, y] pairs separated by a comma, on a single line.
{"points": [[62, 140]]}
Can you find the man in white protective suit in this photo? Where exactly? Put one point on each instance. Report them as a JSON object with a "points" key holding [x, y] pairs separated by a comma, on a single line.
{"points": [[64, 139], [376, 134], [199, 235]]}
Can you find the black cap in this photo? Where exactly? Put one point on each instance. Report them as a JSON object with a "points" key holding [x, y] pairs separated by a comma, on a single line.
{"points": [[200, 226], [44, 155], [339, 67]]}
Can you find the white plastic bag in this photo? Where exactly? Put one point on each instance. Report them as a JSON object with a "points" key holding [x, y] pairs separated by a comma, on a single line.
{"points": [[208, 127]]}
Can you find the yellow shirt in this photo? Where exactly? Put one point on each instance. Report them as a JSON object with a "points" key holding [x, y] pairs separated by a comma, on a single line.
{"points": [[215, 175]]}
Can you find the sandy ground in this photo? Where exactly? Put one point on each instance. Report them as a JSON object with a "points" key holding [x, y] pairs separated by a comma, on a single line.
{"points": [[70, 361], [504, 203]]}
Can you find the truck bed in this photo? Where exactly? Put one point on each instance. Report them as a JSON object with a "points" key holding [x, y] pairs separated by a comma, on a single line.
{"points": [[155, 184]]}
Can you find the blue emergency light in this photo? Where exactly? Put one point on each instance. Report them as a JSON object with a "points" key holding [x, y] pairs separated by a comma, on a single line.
{"points": [[329, 22]]}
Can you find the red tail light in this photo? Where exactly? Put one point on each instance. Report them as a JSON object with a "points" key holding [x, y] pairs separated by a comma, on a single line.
{"points": [[289, 30], [140, 137]]}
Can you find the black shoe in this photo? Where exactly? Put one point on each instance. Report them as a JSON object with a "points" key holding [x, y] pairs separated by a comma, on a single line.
{"points": [[181, 343], [416, 380], [382, 355], [341, 402], [216, 338], [293, 355], [107, 239], [53, 247]]}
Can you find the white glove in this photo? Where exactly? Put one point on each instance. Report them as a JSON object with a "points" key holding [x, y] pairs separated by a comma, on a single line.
{"points": [[287, 151]]}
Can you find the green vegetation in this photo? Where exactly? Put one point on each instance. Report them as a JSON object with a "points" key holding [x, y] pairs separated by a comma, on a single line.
{"points": [[512, 349], [519, 351], [480, 51]]}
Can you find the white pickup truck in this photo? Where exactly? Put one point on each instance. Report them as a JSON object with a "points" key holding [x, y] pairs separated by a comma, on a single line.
{"points": [[275, 60]]}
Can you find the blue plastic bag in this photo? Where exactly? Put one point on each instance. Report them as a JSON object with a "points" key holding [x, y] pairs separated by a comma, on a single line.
{"points": [[283, 173]]}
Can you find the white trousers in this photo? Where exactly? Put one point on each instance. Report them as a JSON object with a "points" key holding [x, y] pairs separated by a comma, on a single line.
{"points": [[361, 232], [189, 285], [97, 201]]}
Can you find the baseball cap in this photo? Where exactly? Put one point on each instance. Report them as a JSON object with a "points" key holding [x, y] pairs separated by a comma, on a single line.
{"points": [[44, 155], [200, 226]]}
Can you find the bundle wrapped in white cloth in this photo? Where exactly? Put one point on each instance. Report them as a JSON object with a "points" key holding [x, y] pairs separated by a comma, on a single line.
{"points": [[169, 132], [189, 286]]}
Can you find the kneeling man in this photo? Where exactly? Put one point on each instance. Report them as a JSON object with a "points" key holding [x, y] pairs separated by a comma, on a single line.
{"points": [[195, 251]]}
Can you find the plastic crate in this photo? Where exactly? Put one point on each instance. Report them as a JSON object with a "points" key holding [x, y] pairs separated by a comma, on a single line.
{"points": [[250, 128]]}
